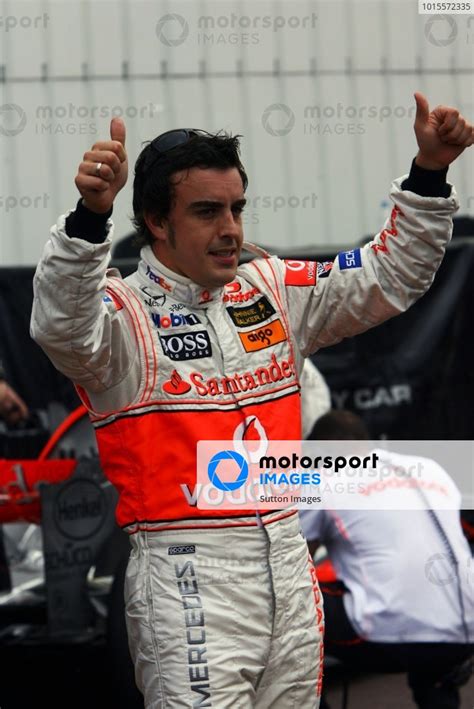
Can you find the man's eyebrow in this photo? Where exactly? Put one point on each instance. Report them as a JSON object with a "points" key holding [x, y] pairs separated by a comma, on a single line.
{"points": [[215, 203]]}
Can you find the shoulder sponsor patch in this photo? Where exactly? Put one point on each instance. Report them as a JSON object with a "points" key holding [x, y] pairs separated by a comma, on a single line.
{"points": [[186, 346], [300, 273], [252, 314], [350, 259], [324, 268], [263, 337], [109, 298]]}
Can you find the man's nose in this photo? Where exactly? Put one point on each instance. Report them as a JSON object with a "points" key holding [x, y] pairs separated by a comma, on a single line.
{"points": [[229, 224]]}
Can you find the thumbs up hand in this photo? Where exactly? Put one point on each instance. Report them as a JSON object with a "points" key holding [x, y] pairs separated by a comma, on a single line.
{"points": [[104, 170], [442, 135]]}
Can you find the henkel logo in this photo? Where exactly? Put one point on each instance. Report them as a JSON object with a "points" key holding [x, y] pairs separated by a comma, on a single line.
{"points": [[192, 345], [267, 336], [80, 509], [176, 385], [159, 280], [234, 297], [174, 320], [300, 273]]}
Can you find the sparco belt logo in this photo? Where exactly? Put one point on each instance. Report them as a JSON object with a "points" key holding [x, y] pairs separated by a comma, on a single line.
{"points": [[80, 509], [192, 345], [182, 549]]}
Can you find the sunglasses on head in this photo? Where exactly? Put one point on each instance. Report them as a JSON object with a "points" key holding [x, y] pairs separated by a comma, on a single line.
{"points": [[169, 140]]}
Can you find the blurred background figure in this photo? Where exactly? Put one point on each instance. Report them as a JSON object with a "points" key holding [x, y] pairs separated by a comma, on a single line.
{"points": [[12, 407], [402, 600], [315, 397]]}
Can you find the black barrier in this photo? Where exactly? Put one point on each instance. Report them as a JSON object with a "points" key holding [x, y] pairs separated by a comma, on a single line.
{"points": [[411, 377]]}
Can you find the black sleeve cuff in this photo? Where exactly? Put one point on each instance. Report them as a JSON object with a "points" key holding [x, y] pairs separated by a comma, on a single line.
{"points": [[427, 183], [87, 225]]}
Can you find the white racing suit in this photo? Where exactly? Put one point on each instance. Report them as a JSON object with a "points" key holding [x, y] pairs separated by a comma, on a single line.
{"points": [[223, 608]]}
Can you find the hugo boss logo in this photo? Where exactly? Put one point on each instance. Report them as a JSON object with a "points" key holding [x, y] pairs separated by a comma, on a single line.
{"points": [[191, 345], [80, 509]]}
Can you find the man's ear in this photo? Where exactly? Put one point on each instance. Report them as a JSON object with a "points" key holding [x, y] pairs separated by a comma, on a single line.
{"points": [[156, 226]]}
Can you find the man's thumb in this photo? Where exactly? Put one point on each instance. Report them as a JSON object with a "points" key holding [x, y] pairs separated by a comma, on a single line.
{"points": [[117, 130], [422, 108]]}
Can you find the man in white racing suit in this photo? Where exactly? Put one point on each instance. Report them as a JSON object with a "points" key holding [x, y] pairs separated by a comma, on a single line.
{"points": [[223, 608]]}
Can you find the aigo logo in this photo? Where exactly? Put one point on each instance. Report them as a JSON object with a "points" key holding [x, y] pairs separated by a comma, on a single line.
{"points": [[263, 337]]}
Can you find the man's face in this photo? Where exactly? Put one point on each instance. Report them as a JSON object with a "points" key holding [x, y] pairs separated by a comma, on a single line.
{"points": [[202, 236]]}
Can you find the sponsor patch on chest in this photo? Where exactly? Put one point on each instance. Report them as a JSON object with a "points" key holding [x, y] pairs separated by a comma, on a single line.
{"points": [[186, 346], [251, 314], [263, 337]]}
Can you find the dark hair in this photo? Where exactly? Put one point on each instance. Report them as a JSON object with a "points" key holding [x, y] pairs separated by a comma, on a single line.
{"points": [[153, 189], [339, 425]]}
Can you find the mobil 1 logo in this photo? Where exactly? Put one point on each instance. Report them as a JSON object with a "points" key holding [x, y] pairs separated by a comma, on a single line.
{"points": [[191, 345]]}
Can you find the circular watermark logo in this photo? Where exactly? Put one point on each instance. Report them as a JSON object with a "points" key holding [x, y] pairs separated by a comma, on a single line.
{"points": [[440, 569], [441, 30], [80, 509], [172, 30], [226, 456], [12, 119], [278, 119]]}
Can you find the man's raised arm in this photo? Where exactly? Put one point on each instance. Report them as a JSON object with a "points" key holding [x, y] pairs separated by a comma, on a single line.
{"points": [[363, 287], [81, 333]]}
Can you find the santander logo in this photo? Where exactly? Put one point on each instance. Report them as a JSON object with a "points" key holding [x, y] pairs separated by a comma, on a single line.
{"points": [[176, 384]]}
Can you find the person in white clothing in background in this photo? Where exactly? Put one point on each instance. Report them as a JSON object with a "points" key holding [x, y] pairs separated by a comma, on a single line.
{"points": [[404, 598]]}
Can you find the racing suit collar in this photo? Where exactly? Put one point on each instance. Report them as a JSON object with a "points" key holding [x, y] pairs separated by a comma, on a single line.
{"points": [[157, 277]]}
